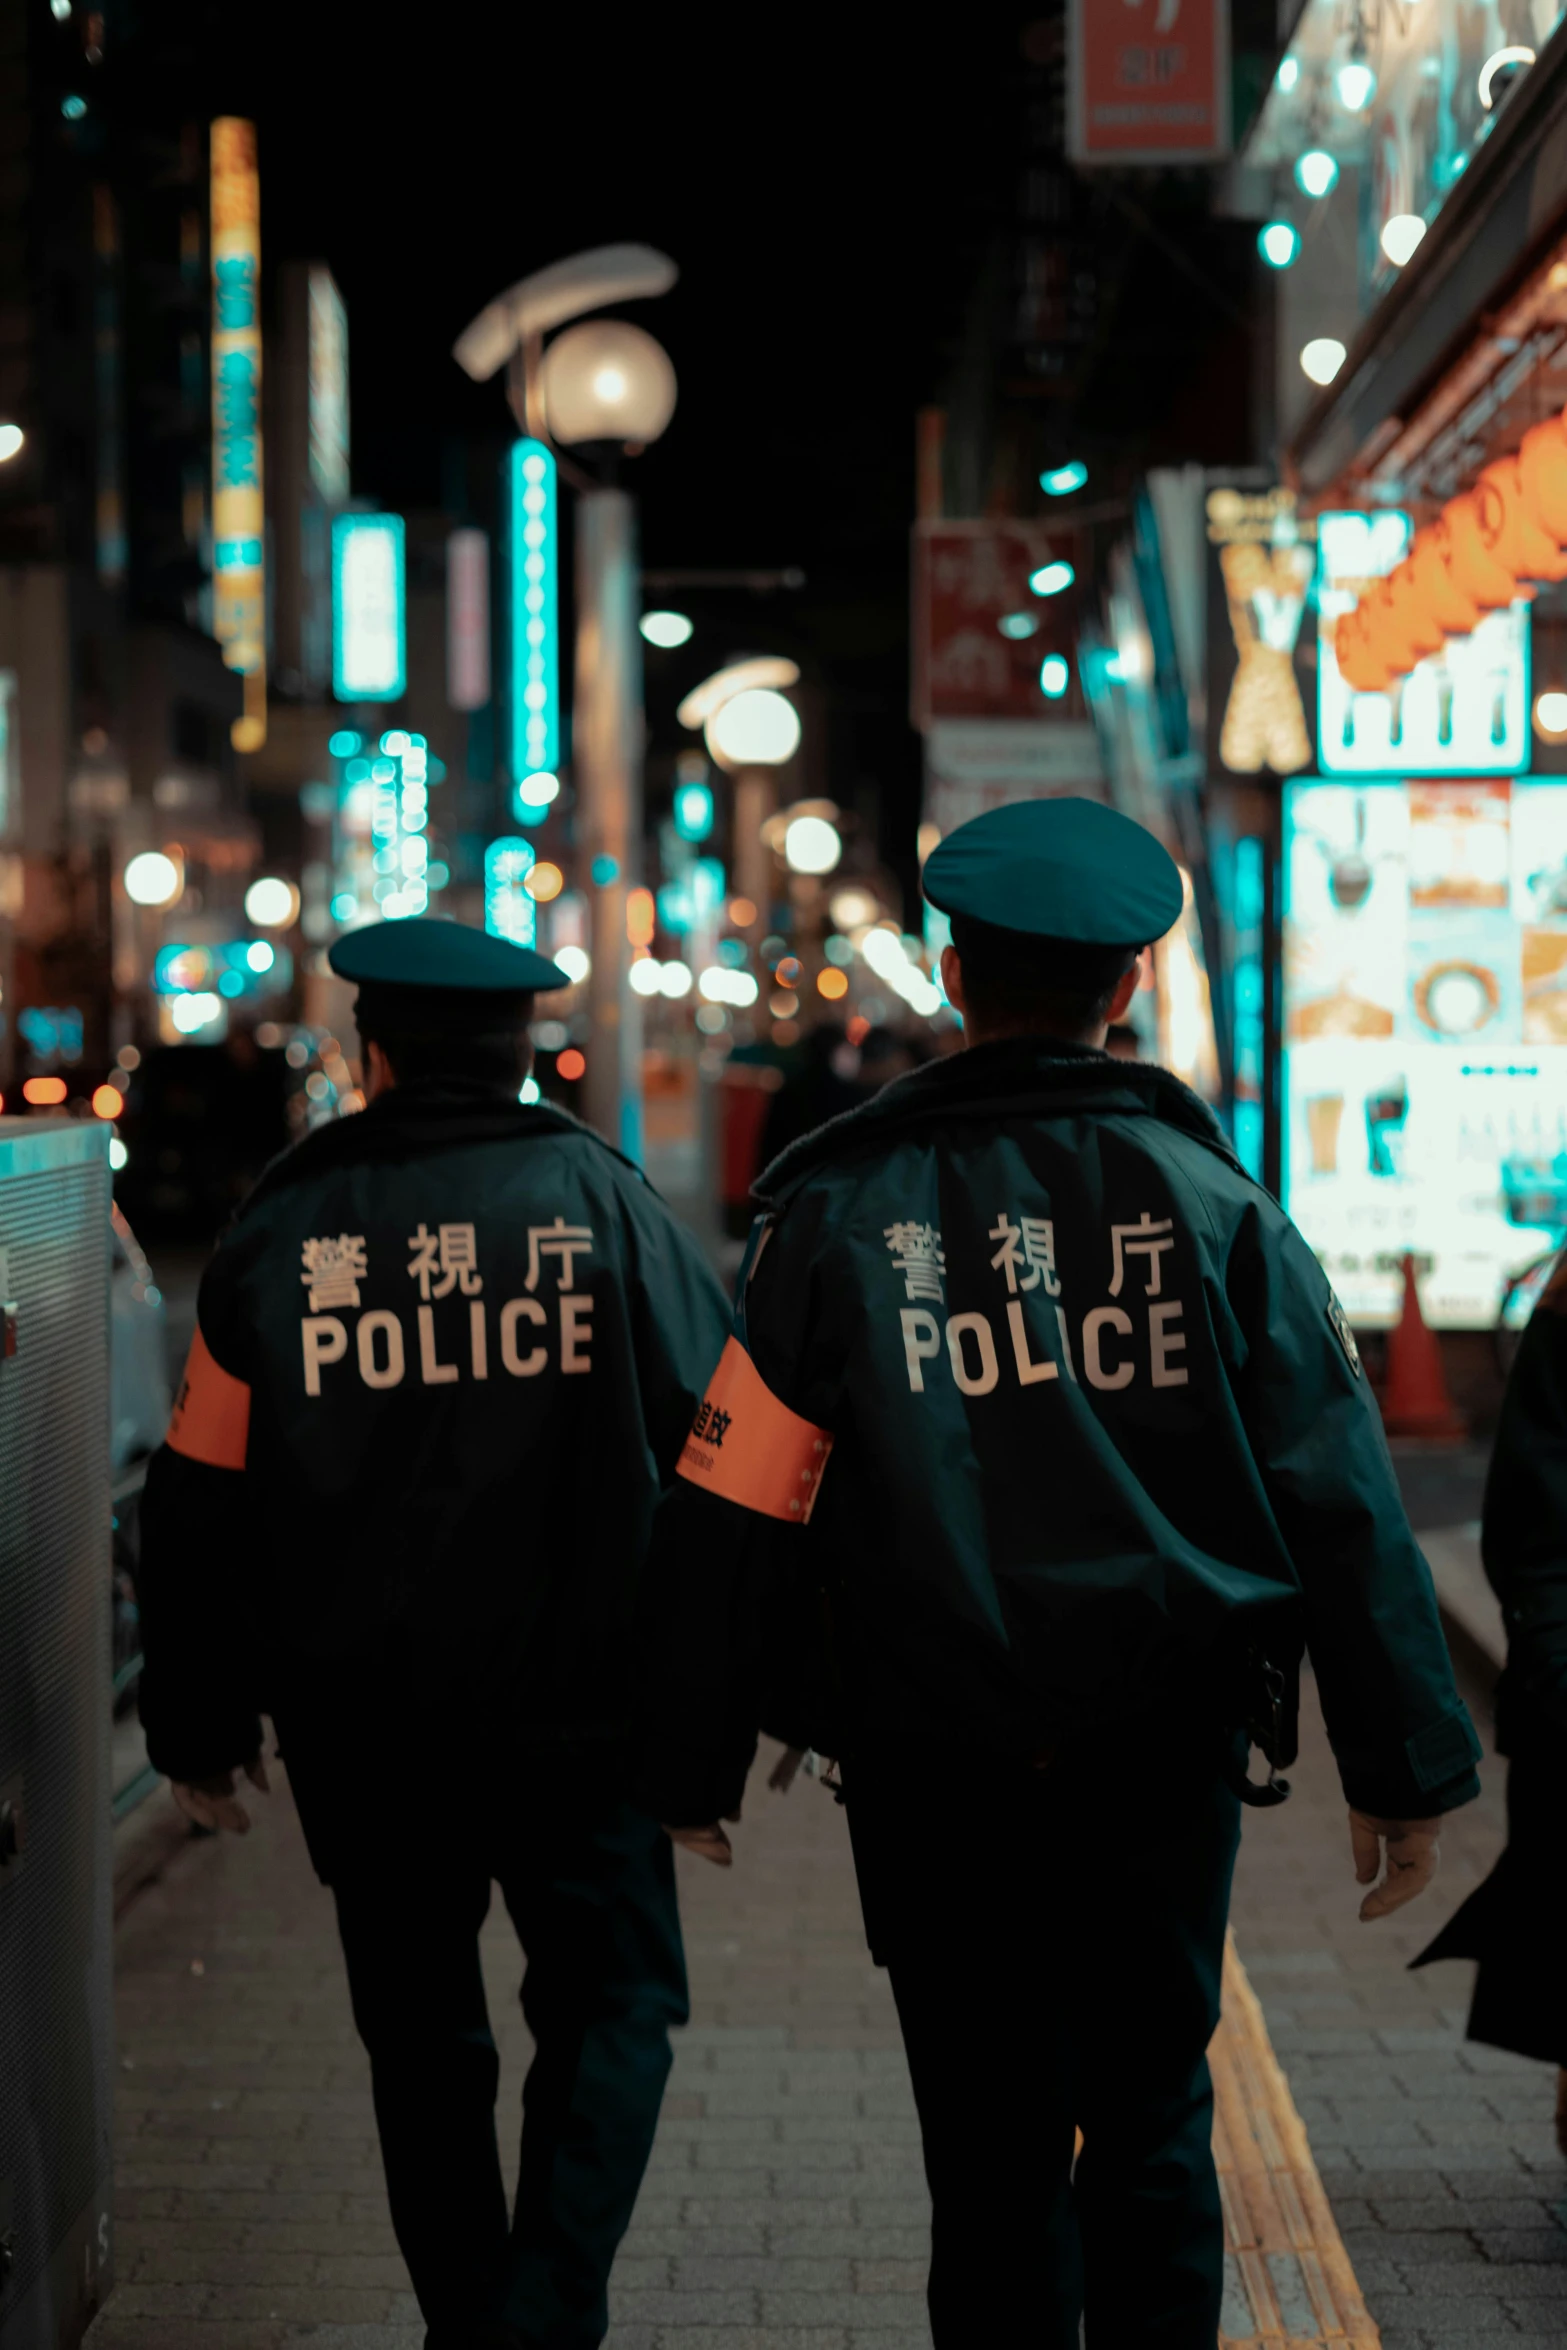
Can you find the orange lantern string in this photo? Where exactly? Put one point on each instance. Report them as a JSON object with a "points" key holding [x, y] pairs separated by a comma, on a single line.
{"points": [[1359, 665], [1542, 472], [1411, 624], [1430, 564], [1518, 538], [1474, 565]]}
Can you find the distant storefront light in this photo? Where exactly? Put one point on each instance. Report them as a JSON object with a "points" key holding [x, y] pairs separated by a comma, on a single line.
{"points": [[1316, 172], [369, 647]]}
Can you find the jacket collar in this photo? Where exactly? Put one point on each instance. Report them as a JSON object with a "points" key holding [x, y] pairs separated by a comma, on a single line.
{"points": [[1016, 1077], [433, 1113]]}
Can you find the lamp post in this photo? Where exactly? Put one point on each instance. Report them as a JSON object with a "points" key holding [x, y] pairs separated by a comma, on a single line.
{"points": [[607, 389]]}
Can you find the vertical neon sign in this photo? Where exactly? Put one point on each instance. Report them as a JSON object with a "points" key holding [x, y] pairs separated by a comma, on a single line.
{"points": [[534, 562], [238, 519]]}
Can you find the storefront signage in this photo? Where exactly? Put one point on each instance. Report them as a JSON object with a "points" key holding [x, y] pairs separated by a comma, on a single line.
{"points": [[327, 341], [1262, 559], [238, 518], [1464, 711], [1149, 80], [369, 658], [1425, 1036], [981, 632]]}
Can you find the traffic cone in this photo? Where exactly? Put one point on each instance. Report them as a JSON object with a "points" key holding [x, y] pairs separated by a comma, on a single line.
{"points": [[1415, 1401]]}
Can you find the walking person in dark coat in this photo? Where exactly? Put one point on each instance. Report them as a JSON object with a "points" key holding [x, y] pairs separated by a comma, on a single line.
{"points": [[1511, 1924]]}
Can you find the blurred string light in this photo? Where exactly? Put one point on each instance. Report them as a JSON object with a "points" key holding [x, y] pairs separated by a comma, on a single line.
{"points": [[261, 954], [643, 976], [1278, 241], [545, 882], [1055, 675], [666, 629], [718, 985], [1356, 80], [1316, 172], [199, 1010], [1401, 236], [1288, 74], [11, 439], [345, 744], [832, 983], [107, 1101], [575, 962], [152, 879], [119, 1156], [1061, 480], [1322, 358], [73, 107], [1018, 625], [1052, 579]]}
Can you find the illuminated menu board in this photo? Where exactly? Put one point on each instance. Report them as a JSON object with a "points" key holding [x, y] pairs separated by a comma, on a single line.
{"points": [[1425, 1036]]}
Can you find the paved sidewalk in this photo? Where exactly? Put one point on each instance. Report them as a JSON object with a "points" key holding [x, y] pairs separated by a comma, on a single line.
{"points": [[785, 2206]]}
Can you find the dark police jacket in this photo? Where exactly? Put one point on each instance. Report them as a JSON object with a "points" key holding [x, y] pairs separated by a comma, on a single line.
{"points": [[1524, 1533], [447, 1354], [1072, 1431]]}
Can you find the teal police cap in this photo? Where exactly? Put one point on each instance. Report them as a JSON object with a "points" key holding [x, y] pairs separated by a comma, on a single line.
{"points": [[1067, 869], [454, 958]]}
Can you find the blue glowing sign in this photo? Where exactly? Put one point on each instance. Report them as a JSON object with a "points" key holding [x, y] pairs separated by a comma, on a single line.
{"points": [[533, 557], [693, 811], [369, 627], [509, 910]]}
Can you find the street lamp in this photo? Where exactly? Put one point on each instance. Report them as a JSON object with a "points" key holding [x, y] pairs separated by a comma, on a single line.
{"points": [[751, 731], [606, 388]]}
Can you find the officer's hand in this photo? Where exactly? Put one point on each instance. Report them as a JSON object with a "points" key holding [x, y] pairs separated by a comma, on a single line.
{"points": [[1412, 1855], [709, 1843], [212, 1803]]}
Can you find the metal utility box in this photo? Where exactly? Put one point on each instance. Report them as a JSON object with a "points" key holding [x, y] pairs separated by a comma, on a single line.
{"points": [[56, 2016]]}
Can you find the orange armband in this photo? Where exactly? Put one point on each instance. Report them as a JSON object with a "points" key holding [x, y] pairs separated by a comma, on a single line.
{"points": [[749, 1448], [211, 1417]]}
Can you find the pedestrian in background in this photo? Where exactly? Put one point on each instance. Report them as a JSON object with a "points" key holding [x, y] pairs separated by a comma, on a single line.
{"points": [[1512, 1924], [446, 1356], [1042, 1409]]}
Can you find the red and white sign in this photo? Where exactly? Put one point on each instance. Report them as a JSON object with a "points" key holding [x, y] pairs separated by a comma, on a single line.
{"points": [[980, 632], [1150, 80]]}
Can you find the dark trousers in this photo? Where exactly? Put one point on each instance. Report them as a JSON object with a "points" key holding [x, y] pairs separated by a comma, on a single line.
{"points": [[590, 1887], [1055, 1940]]}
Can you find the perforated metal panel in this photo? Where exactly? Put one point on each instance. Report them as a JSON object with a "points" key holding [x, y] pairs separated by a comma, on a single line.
{"points": [[55, 1897]]}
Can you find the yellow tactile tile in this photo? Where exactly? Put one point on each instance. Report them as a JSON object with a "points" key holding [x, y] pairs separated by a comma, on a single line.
{"points": [[1289, 2282]]}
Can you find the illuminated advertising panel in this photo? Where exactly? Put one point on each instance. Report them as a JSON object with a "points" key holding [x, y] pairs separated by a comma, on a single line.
{"points": [[1148, 85], [1425, 1036], [238, 520], [534, 562], [369, 651], [1463, 711]]}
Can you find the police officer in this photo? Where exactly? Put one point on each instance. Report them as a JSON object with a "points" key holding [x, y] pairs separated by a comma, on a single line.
{"points": [[445, 1359], [1044, 1409]]}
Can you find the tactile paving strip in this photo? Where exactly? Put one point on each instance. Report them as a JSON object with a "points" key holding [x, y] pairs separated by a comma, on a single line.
{"points": [[1288, 2281]]}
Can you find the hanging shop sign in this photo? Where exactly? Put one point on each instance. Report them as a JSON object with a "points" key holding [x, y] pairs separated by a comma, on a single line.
{"points": [[1149, 81], [1459, 708], [1261, 654], [996, 611], [238, 519], [1425, 1036]]}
